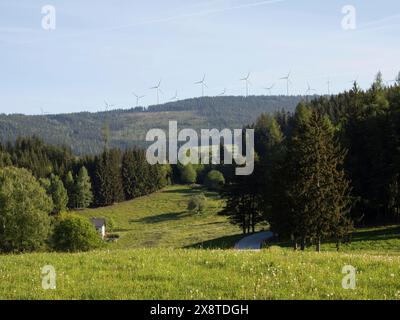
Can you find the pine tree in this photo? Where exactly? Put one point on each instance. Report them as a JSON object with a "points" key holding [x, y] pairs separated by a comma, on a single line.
{"points": [[107, 178], [84, 196], [317, 198], [58, 194], [71, 190], [243, 200], [115, 173]]}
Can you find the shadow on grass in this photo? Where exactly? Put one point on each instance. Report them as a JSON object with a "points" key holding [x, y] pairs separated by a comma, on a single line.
{"points": [[360, 235], [121, 230], [161, 217], [196, 190], [226, 242], [182, 191], [384, 233]]}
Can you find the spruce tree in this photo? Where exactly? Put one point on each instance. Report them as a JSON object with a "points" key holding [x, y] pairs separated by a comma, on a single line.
{"points": [[317, 193], [84, 195], [108, 178], [71, 190], [58, 194]]}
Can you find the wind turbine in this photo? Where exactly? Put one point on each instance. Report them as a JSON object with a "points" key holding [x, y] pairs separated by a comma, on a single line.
{"points": [[203, 84], [138, 97], [222, 93], [309, 89], [354, 81], [43, 111], [108, 106], [388, 82], [270, 88], [175, 97], [158, 90], [328, 83], [246, 79], [287, 78]]}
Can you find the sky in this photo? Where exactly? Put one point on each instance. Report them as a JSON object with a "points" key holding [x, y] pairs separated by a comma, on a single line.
{"points": [[106, 50]]}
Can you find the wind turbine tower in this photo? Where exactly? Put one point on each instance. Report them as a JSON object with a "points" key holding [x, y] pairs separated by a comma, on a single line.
{"points": [[328, 83], [287, 78], [158, 90], [175, 97], [270, 88], [246, 79], [138, 97], [203, 84], [108, 106], [222, 93]]}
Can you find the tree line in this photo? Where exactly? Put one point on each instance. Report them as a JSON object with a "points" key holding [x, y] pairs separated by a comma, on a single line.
{"points": [[112, 176], [331, 165], [39, 183]]}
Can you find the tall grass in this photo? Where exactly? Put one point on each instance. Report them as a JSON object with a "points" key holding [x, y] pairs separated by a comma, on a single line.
{"points": [[200, 274]]}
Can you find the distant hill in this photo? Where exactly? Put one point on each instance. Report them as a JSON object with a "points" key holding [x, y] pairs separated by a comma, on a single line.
{"points": [[83, 131]]}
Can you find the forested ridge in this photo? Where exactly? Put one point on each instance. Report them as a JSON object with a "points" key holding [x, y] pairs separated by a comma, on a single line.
{"points": [[82, 132]]}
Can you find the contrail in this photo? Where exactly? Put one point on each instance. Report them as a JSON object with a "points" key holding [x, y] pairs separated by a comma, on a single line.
{"points": [[377, 24], [200, 13], [171, 18], [371, 23]]}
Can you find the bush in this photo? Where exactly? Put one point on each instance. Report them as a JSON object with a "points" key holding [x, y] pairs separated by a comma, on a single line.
{"points": [[197, 203], [24, 211], [214, 180], [110, 224], [75, 233], [188, 174]]}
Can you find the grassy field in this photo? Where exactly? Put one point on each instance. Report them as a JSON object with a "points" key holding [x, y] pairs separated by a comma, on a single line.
{"points": [[164, 253], [161, 220], [200, 274]]}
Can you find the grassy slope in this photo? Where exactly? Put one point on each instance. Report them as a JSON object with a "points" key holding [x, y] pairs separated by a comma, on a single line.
{"points": [[161, 220]]}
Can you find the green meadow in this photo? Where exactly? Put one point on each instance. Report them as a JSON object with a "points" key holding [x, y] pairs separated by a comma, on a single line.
{"points": [[162, 220], [164, 252]]}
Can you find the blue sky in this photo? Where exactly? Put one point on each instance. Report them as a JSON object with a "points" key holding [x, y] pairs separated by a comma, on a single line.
{"points": [[104, 50]]}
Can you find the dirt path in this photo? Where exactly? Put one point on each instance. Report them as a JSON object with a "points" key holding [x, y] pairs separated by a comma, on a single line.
{"points": [[254, 241]]}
